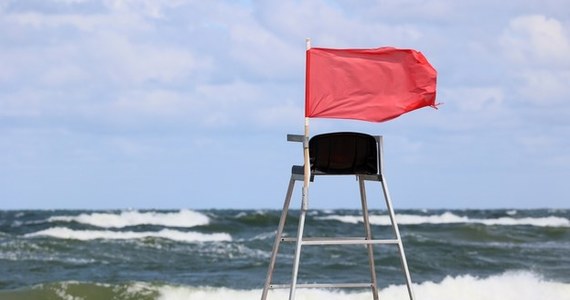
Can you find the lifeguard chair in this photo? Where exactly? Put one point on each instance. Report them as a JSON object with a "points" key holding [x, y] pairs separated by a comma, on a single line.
{"points": [[373, 85], [339, 153]]}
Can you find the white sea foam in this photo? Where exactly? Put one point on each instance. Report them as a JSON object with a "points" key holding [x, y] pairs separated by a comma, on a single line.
{"points": [[175, 235], [449, 218], [182, 218], [508, 286]]}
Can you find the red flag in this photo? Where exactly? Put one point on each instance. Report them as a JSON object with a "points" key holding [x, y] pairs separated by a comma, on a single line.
{"points": [[367, 84]]}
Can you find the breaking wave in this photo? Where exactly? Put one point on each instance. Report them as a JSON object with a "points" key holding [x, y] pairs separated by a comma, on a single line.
{"points": [[85, 235], [182, 218], [466, 287], [448, 218], [506, 286]]}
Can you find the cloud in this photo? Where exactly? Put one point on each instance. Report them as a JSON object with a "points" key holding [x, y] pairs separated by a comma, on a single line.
{"points": [[288, 114], [263, 53], [127, 62], [545, 87], [537, 48], [331, 26], [89, 82], [429, 10], [107, 46], [471, 108], [550, 148], [537, 40], [152, 103], [486, 100], [91, 64]]}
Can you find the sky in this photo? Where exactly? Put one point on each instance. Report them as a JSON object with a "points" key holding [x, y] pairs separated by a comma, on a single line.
{"points": [[135, 104]]}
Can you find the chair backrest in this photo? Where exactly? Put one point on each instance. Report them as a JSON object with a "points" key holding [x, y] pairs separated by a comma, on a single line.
{"points": [[344, 153]]}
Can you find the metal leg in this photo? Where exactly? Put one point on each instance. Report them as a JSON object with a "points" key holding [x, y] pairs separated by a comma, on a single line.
{"points": [[397, 233], [368, 233], [304, 207], [278, 236]]}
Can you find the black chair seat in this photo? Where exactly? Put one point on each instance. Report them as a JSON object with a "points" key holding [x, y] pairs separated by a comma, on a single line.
{"points": [[342, 153]]}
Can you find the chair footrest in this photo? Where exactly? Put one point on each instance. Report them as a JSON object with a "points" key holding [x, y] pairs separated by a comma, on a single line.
{"points": [[339, 241], [323, 285]]}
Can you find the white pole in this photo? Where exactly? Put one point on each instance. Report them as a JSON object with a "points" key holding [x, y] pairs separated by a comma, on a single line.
{"points": [[307, 171], [304, 203]]}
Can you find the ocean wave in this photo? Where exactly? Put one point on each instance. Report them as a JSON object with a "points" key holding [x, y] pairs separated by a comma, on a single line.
{"points": [[262, 236], [182, 218], [506, 286], [17, 257], [85, 235], [233, 251], [449, 218], [529, 287]]}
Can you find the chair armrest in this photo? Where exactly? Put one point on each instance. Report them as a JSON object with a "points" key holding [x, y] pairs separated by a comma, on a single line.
{"points": [[295, 138]]}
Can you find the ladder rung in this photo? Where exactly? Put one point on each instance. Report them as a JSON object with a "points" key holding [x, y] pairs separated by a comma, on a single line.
{"points": [[339, 241], [323, 285]]}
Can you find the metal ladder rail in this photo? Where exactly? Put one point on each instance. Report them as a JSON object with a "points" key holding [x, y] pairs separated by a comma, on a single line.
{"points": [[398, 237], [300, 241], [368, 232], [278, 237], [367, 240]]}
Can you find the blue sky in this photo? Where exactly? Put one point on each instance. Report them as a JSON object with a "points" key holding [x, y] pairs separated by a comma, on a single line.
{"points": [[186, 104]]}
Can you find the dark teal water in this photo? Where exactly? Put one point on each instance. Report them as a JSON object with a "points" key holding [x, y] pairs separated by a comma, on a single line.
{"points": [[149, 254]]}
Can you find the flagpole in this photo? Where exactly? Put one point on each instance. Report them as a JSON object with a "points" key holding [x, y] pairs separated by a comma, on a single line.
{"points": [[307, 170], [304, 201]]}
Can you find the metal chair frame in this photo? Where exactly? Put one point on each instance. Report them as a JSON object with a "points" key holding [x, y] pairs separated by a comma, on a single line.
{"points": [[297, 174]]}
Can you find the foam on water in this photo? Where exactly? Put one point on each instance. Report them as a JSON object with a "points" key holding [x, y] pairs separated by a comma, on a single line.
{"points": [[183, 218], [448, 218], [508, 286], [175, 235]]}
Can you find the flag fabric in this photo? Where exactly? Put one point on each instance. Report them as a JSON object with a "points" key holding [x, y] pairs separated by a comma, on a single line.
{"points": [[367, 84]]}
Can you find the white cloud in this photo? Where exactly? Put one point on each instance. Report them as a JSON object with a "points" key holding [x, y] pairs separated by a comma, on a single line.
{"points": [[329, 26], [470, 108], [537, 40], [119, 45], [209, 105], [157, 103], [70, 1], [431, 10], [148, 8], [264, 53], [549, 148], [537, 48], [225, 96], [283, 115], [488, 100], [545, 87], [126, 61]]}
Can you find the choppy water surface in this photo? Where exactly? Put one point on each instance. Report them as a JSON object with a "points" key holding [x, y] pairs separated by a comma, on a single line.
{"points": [[223, 254]]}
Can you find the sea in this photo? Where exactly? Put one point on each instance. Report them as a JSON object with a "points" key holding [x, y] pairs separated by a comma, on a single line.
{"points": [[507, 254]]}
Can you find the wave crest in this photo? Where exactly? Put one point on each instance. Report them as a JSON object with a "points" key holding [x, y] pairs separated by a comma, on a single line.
{"points": [[506, 286], [85, 235], [528, 287], [182, 218], [449, 218]]}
